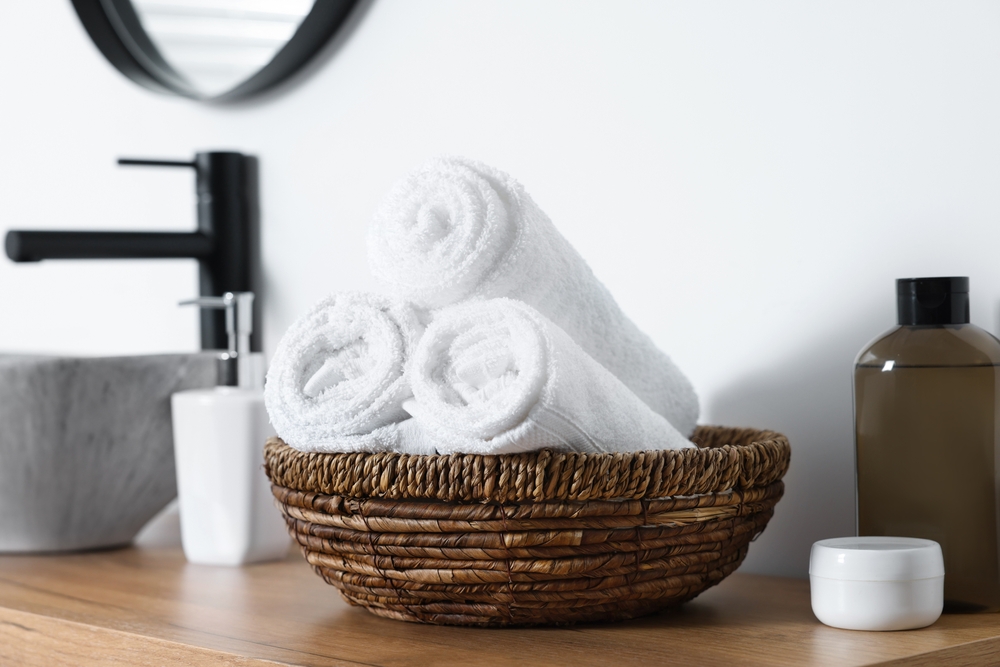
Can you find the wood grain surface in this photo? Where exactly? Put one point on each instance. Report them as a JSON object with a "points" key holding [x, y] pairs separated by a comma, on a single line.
{"points": [[150, 607]]}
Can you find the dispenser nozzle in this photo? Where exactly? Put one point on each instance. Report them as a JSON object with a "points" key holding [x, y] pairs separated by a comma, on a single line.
{"points": [[239, 316], [235, 364]]}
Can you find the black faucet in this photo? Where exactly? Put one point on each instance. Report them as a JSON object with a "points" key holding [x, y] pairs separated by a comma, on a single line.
{"points": [[224, 244]]}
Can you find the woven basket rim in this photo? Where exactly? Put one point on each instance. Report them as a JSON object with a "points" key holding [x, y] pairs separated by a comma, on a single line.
{"points": [[727, 458]]}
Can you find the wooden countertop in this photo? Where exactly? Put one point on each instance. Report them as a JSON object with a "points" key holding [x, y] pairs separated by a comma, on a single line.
{"points": [[150, 607]]}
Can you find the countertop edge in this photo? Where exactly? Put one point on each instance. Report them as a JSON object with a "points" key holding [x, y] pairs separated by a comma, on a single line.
{"points": [[969, 654], [31, 639]]}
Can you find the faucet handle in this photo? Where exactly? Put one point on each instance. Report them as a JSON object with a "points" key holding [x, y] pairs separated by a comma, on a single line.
{"points": [[145, 162], [239, 316]]}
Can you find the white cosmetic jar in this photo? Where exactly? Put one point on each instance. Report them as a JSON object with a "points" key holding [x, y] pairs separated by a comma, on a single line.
{"points": [[876, 583]]}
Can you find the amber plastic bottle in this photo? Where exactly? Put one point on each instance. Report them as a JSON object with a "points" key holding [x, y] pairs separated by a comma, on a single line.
{"points": [[926, 408]]}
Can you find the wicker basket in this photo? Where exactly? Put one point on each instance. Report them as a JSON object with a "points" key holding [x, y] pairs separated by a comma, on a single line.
{"points": [[536, 538]]}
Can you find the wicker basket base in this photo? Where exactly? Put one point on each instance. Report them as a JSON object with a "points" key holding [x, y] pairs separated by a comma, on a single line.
{"points": [[528, 563]]}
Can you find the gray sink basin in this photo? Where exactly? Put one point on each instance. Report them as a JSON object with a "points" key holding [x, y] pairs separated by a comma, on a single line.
{"points": [[86, 446]]}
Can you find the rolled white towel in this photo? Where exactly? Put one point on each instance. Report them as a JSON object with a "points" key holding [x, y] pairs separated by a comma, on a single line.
{"points": [[456, 229], [337, 381], [493, 377]]}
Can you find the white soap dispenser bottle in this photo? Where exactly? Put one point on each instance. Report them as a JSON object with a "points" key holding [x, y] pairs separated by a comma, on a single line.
{"points": [[227, 513]]}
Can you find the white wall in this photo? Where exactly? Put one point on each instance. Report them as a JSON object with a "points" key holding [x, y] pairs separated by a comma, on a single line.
{"points": [[747, 178]]}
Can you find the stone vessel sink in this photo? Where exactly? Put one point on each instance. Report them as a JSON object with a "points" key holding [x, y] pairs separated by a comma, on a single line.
{"points": [[86, 446]]}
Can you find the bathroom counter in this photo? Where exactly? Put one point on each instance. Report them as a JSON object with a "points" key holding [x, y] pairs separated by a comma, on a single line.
{"points": [[149, 607]]}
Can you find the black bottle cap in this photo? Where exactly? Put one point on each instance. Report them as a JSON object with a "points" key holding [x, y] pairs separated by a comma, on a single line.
{"points": [[932, 300]]}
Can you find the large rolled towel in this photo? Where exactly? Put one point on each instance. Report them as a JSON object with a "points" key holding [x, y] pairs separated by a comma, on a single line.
{"points": [[492, 377], [337, 381], [456, 230]]}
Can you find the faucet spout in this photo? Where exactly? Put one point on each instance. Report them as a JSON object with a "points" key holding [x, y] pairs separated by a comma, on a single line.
{"points": [[224, 243], [25, 246]]}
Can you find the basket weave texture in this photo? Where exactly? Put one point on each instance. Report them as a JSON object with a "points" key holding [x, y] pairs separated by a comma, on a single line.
{"points": [[536, 538]]}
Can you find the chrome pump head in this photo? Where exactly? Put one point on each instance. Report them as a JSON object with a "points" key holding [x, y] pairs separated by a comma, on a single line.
{"points": [[239, 326]]}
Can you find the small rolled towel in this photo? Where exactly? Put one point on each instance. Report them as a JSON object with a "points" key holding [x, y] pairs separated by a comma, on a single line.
{"points": [[493, 377], [456, 230], [337, 381]]}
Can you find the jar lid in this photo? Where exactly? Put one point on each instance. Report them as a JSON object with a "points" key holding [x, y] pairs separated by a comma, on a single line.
{"points": [[876, 559]]}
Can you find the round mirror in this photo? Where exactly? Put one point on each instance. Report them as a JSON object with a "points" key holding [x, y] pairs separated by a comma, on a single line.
{"points": [[219, 50]]}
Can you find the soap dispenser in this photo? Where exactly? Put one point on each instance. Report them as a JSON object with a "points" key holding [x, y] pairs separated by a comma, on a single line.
{"points": [[927, 433], [227, 512]]}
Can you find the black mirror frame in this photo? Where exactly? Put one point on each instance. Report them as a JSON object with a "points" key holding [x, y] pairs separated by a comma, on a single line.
{"points": [[116, 30]]}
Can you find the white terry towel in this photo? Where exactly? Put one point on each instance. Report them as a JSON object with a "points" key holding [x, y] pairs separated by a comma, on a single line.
{"points": [[493, 377], [456, 229], [337, 380]]}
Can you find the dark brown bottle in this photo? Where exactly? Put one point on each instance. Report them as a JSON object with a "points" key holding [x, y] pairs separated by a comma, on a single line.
{"points": [[926, 407]]}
